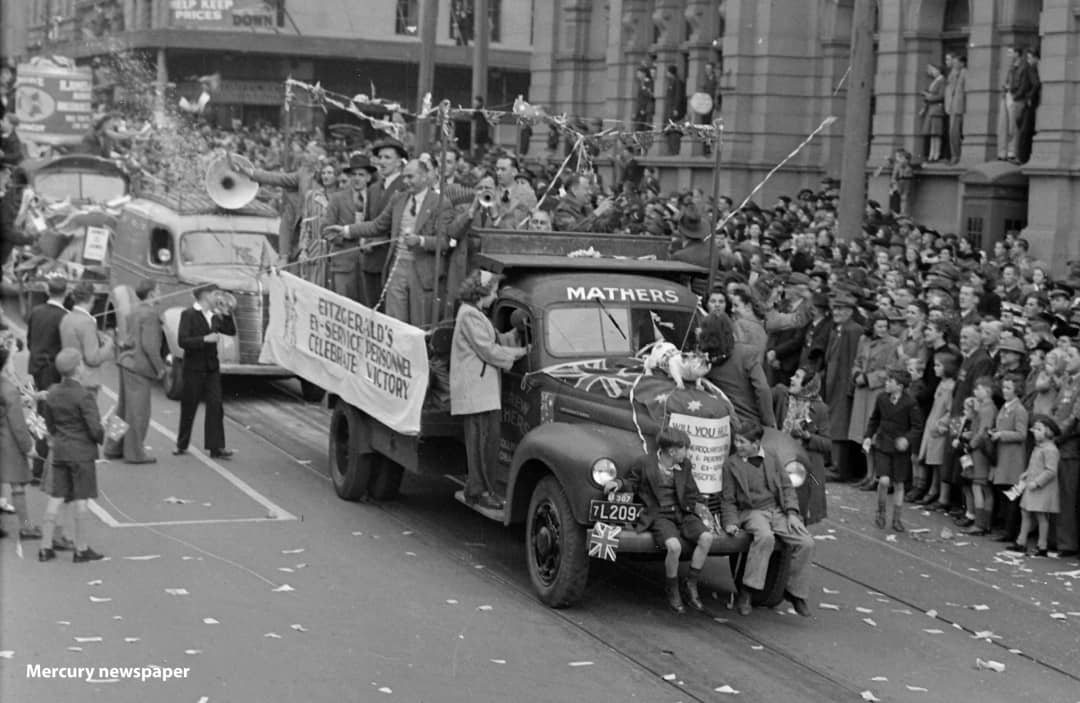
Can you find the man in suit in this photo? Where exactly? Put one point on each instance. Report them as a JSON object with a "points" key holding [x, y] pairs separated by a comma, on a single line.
{"points": [[198, 333], [140, 365], [675, 99], [674, 508], [837, 390], [78, 330], [514, 201], [390, 158], [956, 103], [418, 223], [759, 498], [349, 206], [43, 343]]}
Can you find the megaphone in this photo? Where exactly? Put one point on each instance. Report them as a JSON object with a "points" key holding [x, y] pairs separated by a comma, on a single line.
{"points": [[228, 188]]}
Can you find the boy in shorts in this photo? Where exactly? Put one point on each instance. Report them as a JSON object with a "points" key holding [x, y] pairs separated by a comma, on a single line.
{"points": [[666, 486], [74, 423]]}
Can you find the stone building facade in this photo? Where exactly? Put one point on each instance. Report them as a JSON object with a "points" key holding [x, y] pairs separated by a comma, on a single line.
{"points": [[783, 66]]}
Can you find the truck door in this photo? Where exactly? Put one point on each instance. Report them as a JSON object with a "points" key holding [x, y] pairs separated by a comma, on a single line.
{"points": [[520, 404]]}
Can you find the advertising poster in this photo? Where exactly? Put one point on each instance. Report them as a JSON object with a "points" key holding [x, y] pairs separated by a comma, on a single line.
{"points": [[53, 101]]}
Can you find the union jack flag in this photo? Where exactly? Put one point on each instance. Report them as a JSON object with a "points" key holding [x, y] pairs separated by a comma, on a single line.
{"points": [[614, 377], [604, 540]]}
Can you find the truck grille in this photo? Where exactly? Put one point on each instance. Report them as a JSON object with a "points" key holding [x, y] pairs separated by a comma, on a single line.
{"points": [[252, 315]]}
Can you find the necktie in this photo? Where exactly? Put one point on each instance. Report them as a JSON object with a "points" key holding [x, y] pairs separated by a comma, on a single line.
{"points": [[756, 460], [412, 206], [506, 195]]}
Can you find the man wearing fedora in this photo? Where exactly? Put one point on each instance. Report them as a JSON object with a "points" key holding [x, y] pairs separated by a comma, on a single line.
{"points": [[390, 157], [690, 236], [349, 206], [837, 384]]}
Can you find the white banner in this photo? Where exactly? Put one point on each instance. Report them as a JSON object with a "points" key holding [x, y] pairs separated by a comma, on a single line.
{"points": [[374, 362], [710, 443]]}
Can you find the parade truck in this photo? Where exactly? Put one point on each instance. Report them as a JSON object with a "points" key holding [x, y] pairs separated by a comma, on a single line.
{"points": [[73, 203], [577, 409], [182, 240]]}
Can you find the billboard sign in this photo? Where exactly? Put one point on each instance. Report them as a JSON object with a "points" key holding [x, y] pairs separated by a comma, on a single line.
{"points": [[232, 15], [53, 101]]}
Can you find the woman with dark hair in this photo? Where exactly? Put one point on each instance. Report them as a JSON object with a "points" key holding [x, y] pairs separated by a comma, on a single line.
{"points": [[876, 353], [312, 244], [933, 112], [748, 316], [932, 450], [475, 388], [802, 413], [736, 371]]}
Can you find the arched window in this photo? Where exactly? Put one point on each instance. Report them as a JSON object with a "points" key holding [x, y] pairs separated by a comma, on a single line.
{"points": [[956, 28]]}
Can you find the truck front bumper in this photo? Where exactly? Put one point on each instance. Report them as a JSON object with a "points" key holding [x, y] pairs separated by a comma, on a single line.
{"points": [[631, 543]]}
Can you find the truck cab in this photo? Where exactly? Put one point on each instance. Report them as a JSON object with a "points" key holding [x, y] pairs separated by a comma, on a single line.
{"points": [[576, 410]]}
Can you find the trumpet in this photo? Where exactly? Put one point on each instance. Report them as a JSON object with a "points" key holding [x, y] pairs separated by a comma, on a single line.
{"points": [[486, 198], [224, 303]]}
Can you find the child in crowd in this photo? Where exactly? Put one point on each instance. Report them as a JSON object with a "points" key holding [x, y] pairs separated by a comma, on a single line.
{"points": [[893, 428], [74, 423], [16, 445], [932, 449], [1010, 435], [978, 494], [1040, 497]]}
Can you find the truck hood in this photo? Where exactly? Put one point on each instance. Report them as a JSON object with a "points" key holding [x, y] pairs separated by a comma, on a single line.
{"points": [[230, 277]]}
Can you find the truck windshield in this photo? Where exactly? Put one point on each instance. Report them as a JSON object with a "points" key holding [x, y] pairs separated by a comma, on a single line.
{"points": [[590, 330], [79, 185], [221, 248]]}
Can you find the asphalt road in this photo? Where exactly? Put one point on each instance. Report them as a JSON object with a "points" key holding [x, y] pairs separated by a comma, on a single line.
{"points": [[422, 600]]}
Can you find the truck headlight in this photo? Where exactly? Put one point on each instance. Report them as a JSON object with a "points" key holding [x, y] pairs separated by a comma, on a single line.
{"points": [[603, 470], [796, 473]]}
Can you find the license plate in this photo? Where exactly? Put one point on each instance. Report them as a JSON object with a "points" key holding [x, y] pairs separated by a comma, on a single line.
{"points": [[605, 511]]}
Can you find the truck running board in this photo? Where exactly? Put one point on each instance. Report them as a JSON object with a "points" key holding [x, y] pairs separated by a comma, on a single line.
{"points": [[496, 515]]}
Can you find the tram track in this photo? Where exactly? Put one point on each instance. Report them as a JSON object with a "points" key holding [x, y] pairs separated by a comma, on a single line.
{"points": [[634, 585]]}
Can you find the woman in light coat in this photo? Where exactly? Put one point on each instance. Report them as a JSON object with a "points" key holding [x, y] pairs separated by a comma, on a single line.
{"points": [[16, 444], [477, 354], [877, 352], [936, 430]]}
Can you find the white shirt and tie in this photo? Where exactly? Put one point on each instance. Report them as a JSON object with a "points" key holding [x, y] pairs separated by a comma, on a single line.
{"points": [[408, 223]]}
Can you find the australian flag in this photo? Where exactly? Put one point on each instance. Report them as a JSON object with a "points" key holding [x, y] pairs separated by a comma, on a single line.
{"points": [[603, 541]]}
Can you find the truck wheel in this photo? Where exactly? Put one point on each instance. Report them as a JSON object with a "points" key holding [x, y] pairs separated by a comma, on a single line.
{"points": [[310, 392], [350, 470], [776, 578], [174, 379], [386, 478], [555, 547]]}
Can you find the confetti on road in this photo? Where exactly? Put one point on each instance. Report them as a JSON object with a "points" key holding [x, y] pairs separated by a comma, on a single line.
{"points": [[410, 554], [358, 534], [283, 588], [726, 689], [880, 678], [870, 622], [918, 530], [1058, 616], [451, 601], [583, 663], [934, 632], [483, 607], [301, 566], [292, 551], [890, 538], [143, 557], [757, 647], [192, 652], [386, 689], [917, 689], [285, 569], [668, 677], [931, 613], [74, 649], [830, 591], [210, 621], [176, 501], [272, 635], [946, 533], [117, 617], [720, 620], [902, 611], [177, 591], [299, 628], [63, 622], [131, 640], [406, 532], [864, 611], [1067, 574], [989, 664], [825, 537], [869, 696], [84, 640], [985, 635], [7, 654], [1015, 651], [980, 606], [497, 661], [305, 462], [95, 599], [828, 606], [95, 582]]}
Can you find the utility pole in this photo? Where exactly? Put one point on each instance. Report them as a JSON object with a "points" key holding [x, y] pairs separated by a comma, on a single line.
{"points": [[429, 23], [481, 40], [860, 88]]}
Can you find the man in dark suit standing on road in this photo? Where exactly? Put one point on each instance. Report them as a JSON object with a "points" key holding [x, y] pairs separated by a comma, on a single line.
{"points": [[200, 329]]}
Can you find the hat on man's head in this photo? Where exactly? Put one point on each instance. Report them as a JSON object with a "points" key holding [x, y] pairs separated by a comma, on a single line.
{"points": [[67, 361], [797, 278], [843, 300], [1061, 288], [389, 143], [358, 162], [820, 300], [691, 224], [204, 289], [894, 315], [1012, 344]]}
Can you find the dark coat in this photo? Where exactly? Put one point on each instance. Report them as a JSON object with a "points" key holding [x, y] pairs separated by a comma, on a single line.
{"points": [[74, 423], [742, 379], [43, 343], [971, 369], [342, 211], [200, 356], [379, 199], [815, 342], [643, 480], [837, 384], [735, 497], [889, 422]]}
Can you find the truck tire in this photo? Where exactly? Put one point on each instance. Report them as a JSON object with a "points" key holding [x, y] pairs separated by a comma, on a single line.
{"points": [[776, 578], [310, 392], [386, 478], [174, 379], [350, 470], [556, 548]]}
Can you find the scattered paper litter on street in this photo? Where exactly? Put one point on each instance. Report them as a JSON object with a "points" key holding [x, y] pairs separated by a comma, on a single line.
{"points": [[870, 622], [1067, 574], [84, 640], [286, 569], [299, 628], [292, 551], [828, 606], [917, 689], [890, 538], [452, 601], [880, 678], [829, 591], [980, 606], [825, 537], [869, 696], [272, 635], [132, 640], [918, 530], [95, 599], [386, 689], [483, 607], [934, 632], [931, 613], [283, 588], [63, 622], [497, 661], [192, 652], [176, 501], [581, 663], [989, 664], [95, 582], [210, 621], [726, 689], [74, 649], [757, 647], [1058, 616], [177, 591], [865, 611], [143, 557], [410, 554], [668, 677]]}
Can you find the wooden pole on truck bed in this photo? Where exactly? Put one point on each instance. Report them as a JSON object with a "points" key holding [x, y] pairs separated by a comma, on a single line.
{"points": [[442, 117], [718, 142]]}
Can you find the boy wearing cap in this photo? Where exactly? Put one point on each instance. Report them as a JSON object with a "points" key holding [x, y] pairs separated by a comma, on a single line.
{"points": [[74, 423], [893, 429]]}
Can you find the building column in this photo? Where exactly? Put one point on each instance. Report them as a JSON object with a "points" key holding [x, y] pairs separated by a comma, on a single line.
{"points": [[983, 87], [636, 25], [703, 16], [668, 19]]}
